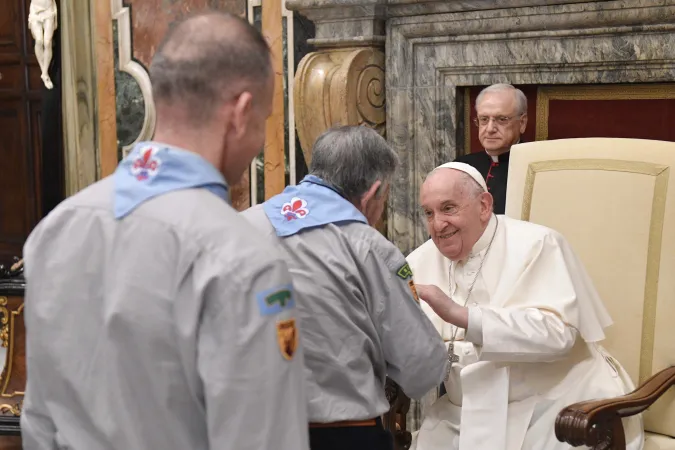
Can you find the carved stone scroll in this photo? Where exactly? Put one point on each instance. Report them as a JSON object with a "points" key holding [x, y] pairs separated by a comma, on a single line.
{"points": [[342, 86]]}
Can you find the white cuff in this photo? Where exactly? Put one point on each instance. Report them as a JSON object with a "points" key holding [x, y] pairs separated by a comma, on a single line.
{"points": [[474, 330]]}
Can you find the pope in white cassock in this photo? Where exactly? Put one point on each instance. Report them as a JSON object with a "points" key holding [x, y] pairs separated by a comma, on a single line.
{"points": [[521, 320]]}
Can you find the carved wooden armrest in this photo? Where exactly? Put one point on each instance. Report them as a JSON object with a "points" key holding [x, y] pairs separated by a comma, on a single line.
{"points": [[597, 423], [394, 420], [14, 270]]}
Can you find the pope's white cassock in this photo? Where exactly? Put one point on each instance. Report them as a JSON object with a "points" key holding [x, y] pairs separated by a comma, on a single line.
{"points": [[531, 348]]}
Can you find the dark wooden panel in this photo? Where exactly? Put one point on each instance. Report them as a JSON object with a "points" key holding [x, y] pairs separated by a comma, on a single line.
{"points": [[21, 92], [26, 170], [10, 443], [10, 26], [11, 77], [17, 212], [34, 80], [35, 124]]}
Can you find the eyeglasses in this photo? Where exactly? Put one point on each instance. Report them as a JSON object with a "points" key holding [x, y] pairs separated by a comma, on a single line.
{"points": [[482, 121]]}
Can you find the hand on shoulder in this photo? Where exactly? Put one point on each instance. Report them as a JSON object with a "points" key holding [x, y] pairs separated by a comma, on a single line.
{"points": [[443, 305]]}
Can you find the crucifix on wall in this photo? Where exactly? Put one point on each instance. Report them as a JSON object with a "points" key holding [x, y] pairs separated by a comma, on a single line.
{"points": [[42, 21]]}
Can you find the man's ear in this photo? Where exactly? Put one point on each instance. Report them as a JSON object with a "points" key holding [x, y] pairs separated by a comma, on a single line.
{"points": [[369, 195], [486, 205], [523, 123], [241, 114]]}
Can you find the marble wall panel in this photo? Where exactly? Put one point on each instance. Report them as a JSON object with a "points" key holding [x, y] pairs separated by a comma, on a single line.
{"points": [[397, 8], [402, 208], [431, 58], [151, 19]]}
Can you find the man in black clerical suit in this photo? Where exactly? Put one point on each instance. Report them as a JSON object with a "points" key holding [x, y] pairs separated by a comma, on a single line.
{"points": [[501, 117]]}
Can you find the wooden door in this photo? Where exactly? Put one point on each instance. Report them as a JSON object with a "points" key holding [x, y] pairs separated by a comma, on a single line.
{"points": [[21, 92]]}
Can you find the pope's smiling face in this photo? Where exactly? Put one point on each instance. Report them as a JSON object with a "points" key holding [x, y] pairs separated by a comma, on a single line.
{"points": [[457, 211]]}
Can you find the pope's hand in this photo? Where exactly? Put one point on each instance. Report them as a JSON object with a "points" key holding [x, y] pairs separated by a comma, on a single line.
{"points": [[443, 305], [439, 302]]}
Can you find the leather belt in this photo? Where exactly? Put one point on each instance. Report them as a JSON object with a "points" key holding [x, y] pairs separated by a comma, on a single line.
{"points": [[345, 424]]}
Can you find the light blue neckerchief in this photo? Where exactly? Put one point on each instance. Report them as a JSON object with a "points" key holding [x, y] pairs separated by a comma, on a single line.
{"points": [[153, 169], [312, 203]]}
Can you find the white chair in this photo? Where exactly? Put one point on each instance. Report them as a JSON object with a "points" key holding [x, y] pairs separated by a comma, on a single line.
{"points": [[614, 200]]}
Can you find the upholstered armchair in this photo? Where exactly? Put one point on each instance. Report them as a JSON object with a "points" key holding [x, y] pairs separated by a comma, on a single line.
{"points": [[614, 200]]}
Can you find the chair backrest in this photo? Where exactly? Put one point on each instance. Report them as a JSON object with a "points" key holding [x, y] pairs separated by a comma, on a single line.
{"points": [[614, 200]]}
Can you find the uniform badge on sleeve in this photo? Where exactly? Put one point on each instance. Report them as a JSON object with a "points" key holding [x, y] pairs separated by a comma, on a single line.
{"points": [[287, 336], [413, 289], [404, 272], [273, 301]]}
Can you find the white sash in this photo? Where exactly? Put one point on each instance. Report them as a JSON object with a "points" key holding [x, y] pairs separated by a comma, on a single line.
{"points": [[485, 400]]}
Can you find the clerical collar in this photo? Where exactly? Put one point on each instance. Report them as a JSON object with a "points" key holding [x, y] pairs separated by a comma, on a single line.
{"points": [[484, 240], [503, 158]]}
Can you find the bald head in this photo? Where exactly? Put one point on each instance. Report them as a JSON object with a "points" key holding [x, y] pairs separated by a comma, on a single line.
{"points": [[205, 59]]}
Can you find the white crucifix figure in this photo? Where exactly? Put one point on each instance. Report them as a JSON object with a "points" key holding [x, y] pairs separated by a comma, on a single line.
{"points": [[42, 22]]}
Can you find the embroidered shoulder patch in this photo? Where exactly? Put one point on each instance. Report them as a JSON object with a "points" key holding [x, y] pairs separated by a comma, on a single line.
{"points": [[404, 272], [295, 209], [273, 301], [146, 164], [413, 289], [287, 337]]}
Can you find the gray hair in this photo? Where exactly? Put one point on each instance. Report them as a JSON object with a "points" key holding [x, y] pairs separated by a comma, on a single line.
{"points": [[205, 58], [521, 99], [471, 187], [352, 158]]}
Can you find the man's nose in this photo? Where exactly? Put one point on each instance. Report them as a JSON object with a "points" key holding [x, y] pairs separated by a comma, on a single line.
{"points": [[492, 125], [439, 224]]}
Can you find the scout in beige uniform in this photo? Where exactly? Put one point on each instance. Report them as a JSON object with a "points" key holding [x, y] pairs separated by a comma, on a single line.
{"points": [[157, 318], [361, 321]]}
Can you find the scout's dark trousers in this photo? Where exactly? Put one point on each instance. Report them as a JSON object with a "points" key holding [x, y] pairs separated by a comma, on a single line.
{"points": [[341, 437]]}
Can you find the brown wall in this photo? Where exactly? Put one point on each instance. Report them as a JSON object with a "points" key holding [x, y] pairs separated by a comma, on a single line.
{"points": [[151, 19]]}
